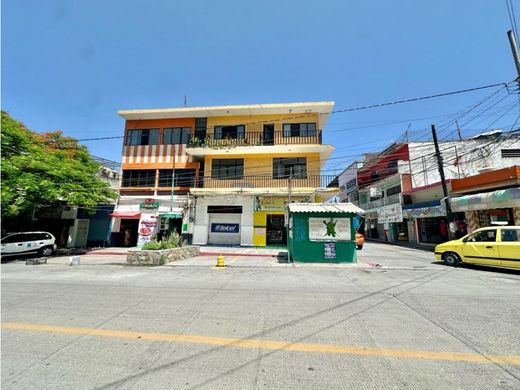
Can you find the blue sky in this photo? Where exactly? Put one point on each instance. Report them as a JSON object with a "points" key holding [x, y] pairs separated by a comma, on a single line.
{"points": [[71, 65]]}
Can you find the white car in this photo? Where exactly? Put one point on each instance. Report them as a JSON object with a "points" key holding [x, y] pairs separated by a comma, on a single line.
{"points": [[24, 243]]}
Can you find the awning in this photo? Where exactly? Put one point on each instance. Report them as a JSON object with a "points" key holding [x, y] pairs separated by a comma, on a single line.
{"points": [[425, 212], [126, 214], [510, 197], [171, 215], [324, 208]]}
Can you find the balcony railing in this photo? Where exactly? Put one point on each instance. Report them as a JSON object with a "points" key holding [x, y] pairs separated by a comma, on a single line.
{"points": [[311, 181], [313, 137], [389, 200]]}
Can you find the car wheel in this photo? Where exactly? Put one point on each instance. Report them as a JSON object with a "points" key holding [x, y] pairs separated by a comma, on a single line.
{"points": [[360, 247], [451, 259], [46, 251]]}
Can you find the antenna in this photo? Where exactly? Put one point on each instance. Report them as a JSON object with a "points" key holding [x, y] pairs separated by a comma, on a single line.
{"points": [[185, 101]]}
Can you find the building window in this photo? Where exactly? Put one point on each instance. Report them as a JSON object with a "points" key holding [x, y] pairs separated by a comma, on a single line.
{"points": [[142, 137], [392, 165], [230, 132], [138, 178], [507, 153], [285, 167], [299, 129], [393, 190], [183, 178], [177, 135], [231, 168]]}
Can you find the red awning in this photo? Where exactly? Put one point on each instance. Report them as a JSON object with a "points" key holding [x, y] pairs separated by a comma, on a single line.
{"points": [[126, 214]]}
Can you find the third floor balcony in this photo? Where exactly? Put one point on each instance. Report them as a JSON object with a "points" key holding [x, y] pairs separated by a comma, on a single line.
{"points": [[265, 138]]}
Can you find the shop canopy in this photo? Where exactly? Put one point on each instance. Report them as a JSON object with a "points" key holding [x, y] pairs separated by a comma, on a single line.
{"points": [[126, 214], [509, 197], [325, 208]]}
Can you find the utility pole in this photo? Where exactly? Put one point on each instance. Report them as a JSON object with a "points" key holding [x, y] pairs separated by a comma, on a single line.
{"points": [[514, 50], [290, 185], [458, 130], [173, 177], [443, 180]]}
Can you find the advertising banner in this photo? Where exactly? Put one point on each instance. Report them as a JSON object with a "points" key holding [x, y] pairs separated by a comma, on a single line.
{"points": [[390, 214], [329, 229], [147, 229]]}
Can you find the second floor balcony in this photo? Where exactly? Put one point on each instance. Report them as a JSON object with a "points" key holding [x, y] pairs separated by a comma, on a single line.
{"points": [[386, 201], [265, 138], [251, 182]]}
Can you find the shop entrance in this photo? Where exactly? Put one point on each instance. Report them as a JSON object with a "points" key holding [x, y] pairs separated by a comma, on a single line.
{"points": [[129, 232], [275, 229]]}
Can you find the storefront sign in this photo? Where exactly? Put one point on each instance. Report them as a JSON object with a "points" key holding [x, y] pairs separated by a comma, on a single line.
{"points": [[275, 203], [329, 229], [149, 204], [225, 228], [390, 214], [147, 229]]}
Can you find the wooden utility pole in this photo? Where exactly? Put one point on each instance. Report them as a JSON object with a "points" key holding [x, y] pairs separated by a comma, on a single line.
{"points": [[443, 180]]}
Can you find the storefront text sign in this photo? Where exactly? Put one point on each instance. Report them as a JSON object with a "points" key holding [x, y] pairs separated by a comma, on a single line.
{"points": [[390, 214], [329, 229], [149, 204], [225, 228]]}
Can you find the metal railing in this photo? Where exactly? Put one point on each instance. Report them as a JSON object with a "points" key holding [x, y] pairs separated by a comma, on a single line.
{"points": [[389, 200], [212, 140], [311, 181]]}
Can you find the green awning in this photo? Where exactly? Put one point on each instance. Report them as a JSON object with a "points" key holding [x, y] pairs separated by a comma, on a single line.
{"points": [[509, 197], [171, 215]]}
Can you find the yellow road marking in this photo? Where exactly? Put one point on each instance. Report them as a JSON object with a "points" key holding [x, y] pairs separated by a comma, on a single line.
{"points": [[267, 344]]}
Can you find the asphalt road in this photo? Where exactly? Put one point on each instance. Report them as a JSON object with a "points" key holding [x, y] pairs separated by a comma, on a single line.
{"points": [[395, 320]]}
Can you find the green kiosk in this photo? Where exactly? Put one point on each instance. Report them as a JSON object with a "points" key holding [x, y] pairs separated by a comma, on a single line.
{"points": [[322, 232]]}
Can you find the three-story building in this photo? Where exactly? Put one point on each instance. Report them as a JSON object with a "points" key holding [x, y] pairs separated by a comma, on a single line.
{"points": [[233, 170]]}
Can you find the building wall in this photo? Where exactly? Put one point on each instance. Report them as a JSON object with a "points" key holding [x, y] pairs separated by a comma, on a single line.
{"points": [[255, 123], [461, 158]]}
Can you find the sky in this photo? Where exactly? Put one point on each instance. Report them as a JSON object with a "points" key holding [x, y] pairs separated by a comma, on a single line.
{"points": [[71, 65]]}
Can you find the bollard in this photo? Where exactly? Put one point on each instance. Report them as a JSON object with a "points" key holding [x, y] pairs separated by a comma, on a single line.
{"points": [[220, 261], [74, 260]]}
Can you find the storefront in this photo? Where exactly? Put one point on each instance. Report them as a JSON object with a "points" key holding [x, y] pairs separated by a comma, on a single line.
{"points": [[500, 207], [431, 222], [269, 220], [223, 219], [137, 220]]}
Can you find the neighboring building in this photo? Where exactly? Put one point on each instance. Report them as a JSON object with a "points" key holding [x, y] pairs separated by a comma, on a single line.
{"points": [[400, 188], [234, 170], [489, 198]]}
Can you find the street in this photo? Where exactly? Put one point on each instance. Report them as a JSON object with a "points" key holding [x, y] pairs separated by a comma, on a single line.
{"points": [[396, 319]]}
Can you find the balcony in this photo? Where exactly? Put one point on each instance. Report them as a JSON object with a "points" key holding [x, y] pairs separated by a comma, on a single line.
{"points": [[311, 181], [311, 137], [374, 204]]}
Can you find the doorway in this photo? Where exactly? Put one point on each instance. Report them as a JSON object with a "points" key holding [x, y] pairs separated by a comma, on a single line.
{"points": [[129, 229], [268, 136], [275, 230]]}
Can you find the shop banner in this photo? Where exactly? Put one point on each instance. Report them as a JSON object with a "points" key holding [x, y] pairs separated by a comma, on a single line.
{"points": [[390, 214], [147, 229], [329, 229], [225, 228]]}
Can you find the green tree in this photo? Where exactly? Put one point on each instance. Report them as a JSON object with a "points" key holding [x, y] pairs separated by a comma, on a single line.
{"points": [[46, 169]]}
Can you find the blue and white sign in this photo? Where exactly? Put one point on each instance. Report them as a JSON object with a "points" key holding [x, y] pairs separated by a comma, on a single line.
{"points": [[225, 228]]}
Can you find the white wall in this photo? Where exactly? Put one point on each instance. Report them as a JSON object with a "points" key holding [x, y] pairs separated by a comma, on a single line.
{"points": [[201, 229], [461, 159]]}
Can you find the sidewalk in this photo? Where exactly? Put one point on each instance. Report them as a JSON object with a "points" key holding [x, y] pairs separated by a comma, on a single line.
{"points": [[424, 247], [204, 251]]}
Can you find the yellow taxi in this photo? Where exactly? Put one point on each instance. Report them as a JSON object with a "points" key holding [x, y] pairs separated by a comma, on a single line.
{"points": [[498, 246]]}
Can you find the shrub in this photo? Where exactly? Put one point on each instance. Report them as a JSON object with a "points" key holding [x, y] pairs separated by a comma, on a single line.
{"points": [[152, 246]]}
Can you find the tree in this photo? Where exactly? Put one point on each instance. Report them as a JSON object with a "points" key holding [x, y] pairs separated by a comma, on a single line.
{"points": [[46, 169]]}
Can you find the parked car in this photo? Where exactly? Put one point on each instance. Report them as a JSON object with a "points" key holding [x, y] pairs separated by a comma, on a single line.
{"points": [[15, 244], [496, 246], [360, 240]]}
